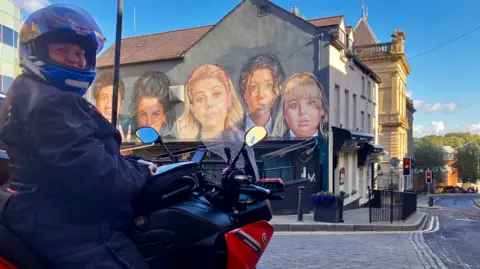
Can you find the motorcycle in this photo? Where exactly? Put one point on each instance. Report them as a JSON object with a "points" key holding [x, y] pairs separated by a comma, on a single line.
{"points": [[184, 220]]}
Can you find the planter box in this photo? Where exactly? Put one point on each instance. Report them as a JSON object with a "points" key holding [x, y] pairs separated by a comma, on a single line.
{"points": [[327, 213]]}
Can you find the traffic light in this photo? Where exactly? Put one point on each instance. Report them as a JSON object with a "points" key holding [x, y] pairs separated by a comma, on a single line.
{"points": [[407, 166], [428, 177]]}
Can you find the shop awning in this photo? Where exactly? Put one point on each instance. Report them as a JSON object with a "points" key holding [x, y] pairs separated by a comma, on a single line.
{"points": [[369, 153], [348, 140]]}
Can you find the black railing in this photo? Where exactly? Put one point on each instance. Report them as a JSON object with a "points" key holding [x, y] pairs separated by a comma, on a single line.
{"points": [[391, 205]]}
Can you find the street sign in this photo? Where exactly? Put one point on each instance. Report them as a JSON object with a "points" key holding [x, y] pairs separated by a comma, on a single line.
{"points": [[407, 166], [428, 177], [394, 162]]}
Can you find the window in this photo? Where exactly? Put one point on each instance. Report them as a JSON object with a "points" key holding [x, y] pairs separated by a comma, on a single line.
{"points": [[363, 85], [337, 104], [369, 123], [355, 126], [7, 35], [15, 39], [347, 110], [362, 123], [7, 81], [369, 90]]}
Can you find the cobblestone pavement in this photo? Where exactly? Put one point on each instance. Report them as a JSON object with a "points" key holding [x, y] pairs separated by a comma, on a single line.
{"points": [[389, 250], [352, 251]]}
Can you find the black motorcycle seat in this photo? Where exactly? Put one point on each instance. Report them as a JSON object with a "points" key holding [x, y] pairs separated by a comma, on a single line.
{"points": [[16, 252], [169, 184]]}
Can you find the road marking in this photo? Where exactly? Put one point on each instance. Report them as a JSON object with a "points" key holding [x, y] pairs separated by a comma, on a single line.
{"points": [[428, 258], [470, 220]]}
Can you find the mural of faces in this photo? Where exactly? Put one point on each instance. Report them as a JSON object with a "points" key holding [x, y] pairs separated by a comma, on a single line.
{"points": [[260, 81], [211, 104], [150, 104], [303, 107], [103, 92], [296, 108]]}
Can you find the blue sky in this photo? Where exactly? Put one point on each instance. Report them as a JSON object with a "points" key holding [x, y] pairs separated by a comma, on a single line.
{"points": [[442, 83]]}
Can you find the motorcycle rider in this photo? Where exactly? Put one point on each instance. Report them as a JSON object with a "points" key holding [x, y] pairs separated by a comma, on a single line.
{"points": [[70, 190]]}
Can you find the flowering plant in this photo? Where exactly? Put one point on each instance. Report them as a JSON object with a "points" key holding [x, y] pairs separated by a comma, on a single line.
{"points": [[324, 198]]}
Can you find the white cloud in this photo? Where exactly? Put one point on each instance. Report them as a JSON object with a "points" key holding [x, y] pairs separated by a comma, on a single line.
{"points": [[438, 127], [409, 94], [475, 128], [434, 107], [418, 130], [420, 104], [32, 5], [450, 106], [435, 128]]}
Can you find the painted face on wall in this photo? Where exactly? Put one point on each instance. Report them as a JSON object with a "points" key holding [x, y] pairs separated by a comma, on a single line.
{"points": [[260, 93], [210, 103], [103, 102], [303, 115], [151, 113]]}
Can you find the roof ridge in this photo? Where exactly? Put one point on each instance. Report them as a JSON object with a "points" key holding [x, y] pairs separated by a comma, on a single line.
{"points": [[329, 17], [172, 31], [212, 25]]}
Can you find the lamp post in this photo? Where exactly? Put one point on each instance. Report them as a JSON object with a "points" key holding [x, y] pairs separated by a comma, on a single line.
{"points": [[116, 70]]}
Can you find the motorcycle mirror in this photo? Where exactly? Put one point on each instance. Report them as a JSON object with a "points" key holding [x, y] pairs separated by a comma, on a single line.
{"points": [[255, 135], [148, 135]]}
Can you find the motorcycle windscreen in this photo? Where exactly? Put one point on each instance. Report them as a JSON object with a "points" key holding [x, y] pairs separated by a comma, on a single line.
{"points": [[247, 244]]}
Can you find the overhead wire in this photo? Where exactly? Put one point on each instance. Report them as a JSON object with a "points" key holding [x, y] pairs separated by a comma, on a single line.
{"points": [[445, 43]]}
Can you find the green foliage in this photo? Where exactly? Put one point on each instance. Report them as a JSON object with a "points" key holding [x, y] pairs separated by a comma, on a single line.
{"points": [[429, 156], [468, 162]]}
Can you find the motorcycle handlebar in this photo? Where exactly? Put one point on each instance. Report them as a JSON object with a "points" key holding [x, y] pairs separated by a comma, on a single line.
{"points": [[244, 179], [254, 191]]}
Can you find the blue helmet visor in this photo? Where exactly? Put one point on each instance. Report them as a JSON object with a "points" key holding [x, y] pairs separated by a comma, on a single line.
{"points": [[62, 17]]}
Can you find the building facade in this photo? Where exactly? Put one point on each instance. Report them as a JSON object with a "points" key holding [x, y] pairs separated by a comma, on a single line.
{"points": [[410, 111], [389, 61], [10, 20], [268, 60]]}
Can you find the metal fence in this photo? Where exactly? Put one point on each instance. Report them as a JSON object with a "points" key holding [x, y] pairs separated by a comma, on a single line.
{"points": [[390, 205]]}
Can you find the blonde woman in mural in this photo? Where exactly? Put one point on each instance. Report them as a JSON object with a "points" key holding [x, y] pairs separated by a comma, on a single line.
{"points": [[211, 104], [304, 108]]}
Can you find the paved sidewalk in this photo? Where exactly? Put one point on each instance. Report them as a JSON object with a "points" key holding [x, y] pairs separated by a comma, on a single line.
{"points": [[355, 220]]}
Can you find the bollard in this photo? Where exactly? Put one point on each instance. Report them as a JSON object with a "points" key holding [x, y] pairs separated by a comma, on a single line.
{"points": [[300, 203], [342, 197], [430, 201]]}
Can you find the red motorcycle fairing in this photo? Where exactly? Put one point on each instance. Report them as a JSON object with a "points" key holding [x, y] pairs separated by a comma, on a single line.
{"points": [[6, 265], [247, 244]]}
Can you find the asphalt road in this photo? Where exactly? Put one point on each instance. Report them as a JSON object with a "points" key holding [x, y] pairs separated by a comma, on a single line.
{"points": [[457, 241]]}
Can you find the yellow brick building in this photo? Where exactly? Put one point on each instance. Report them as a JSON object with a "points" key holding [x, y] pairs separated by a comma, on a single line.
{"points": [[389, 61], [10, 20]]}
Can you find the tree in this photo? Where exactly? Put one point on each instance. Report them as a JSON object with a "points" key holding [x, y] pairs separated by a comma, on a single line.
{"points": [[467, 162], [428, 157]]}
